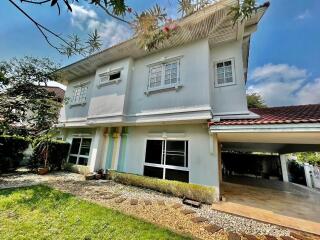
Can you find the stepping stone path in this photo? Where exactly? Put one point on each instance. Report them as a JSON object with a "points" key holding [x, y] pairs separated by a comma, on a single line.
{"points": [[212, 228], [134, 201], [147, 202], [187, 211], [268, 237], [250, 237], [161, 203], [111, 196], [199, 219], [286, 238], [233, 236], [120, 200], [177, 205]]}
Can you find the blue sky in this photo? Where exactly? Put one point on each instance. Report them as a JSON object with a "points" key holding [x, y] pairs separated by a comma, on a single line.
{"points": [[284, 62]]}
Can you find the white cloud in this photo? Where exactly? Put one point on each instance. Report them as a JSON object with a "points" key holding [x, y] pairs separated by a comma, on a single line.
{"points": [[111, 31], [80, 15], [282, 72], [304, 15], [310, 93], [283, 84]]}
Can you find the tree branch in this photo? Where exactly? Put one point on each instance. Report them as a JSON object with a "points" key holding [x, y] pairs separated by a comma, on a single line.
{"points": [[35, 2], [44, 29], [112, 15]]}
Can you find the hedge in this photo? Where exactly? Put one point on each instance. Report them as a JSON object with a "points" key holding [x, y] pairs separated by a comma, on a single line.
{"points": [[57, 153], [196, 192], [11, 151]]}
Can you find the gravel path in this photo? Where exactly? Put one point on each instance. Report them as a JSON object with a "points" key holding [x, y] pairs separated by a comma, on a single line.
{"points": [[161, 214]]}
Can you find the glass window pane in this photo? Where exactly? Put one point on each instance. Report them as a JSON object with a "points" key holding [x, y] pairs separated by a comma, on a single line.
{"points": [[154, 151], [227, 63], [177, 175], [85, 146], [114, 76], [75, 146], [219, 65], [153, 172], [83, 161], [175, 160], [229, 80], [175, 146], [72, 159]]}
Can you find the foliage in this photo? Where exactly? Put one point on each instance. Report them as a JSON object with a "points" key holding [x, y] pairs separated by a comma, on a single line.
{"points": [[178, 189], [25, 103], [11, 151], [312, 158], [39, 212], [150, 25], [49, 152], [255, 100]]}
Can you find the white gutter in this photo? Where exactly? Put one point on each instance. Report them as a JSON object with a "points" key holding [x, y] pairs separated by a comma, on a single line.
{"points": [[295, 127]]}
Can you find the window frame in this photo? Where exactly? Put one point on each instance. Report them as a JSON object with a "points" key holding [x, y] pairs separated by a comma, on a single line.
{"points": [[162, 85], [163, 164], [107, 75], [216, 72], [79, 155], [86, 84]]}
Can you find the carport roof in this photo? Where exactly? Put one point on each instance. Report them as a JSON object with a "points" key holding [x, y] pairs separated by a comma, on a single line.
{"points": [[278, 115]]}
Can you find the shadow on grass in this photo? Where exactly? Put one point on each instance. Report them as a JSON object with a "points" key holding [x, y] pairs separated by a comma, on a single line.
{"points": [[34, 196]]}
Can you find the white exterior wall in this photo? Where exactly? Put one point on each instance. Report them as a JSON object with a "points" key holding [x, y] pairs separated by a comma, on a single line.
{"points": [[194, 78], [228, 99], [203, 164], [78, 112]]}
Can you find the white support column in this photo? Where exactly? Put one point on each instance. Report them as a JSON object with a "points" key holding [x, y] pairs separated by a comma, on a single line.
{"points": [[216, 158], [96, 150], [284, 167]]}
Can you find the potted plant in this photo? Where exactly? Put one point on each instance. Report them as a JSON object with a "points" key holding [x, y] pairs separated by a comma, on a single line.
{"points": [[42, 147]]}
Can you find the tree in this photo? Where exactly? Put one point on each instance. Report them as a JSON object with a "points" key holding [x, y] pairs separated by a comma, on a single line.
{"points": [[25, 103], [150, 26], [312, 158], [255, 101]]}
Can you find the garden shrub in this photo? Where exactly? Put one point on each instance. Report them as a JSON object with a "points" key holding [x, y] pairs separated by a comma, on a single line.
{"points": [[196, 192], [11, 151], [57, 153]]}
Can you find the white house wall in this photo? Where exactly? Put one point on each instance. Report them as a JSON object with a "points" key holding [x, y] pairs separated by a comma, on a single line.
{"points": [[228, 99], [194, 79], [203, 164]]}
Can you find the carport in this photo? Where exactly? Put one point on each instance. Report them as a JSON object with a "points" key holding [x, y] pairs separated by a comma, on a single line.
{"points": [[279, 130]]}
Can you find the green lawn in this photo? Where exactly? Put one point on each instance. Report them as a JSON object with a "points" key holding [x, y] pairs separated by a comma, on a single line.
{"points": [[40, 212]]}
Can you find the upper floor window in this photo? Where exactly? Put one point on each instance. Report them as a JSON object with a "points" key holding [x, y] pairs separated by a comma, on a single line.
{"points": [[79, 94], [224, 72], [164, 75], [110, 77]]}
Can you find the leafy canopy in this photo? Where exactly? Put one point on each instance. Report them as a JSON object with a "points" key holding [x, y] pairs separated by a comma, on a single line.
{"points": [[255, 101], [25, 104], [312, 158]]}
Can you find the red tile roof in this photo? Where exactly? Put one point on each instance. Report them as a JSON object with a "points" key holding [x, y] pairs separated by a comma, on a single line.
{"points": [[279, 115], [59, 92]]}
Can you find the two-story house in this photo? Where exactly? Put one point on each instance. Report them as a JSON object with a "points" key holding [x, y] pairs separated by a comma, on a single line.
{"points": [[147, 112]]}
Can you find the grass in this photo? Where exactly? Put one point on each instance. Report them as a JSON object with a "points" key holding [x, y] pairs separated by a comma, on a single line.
{"points": [[40, 212]]}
